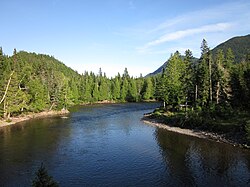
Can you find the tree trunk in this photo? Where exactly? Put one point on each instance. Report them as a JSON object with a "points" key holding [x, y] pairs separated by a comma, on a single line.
{"points": [[7, 87], [4, 109], [51, 106], [196, 93], [217, 92], [210, 82]]}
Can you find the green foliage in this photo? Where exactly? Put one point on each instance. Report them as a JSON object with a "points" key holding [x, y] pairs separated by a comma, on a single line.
{"points": [[148, 89], [43, 179], [170, 87], [32, 82], [247, 128]]}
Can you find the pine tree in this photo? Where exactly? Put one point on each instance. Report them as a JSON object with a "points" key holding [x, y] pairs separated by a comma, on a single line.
{"points": [[124, 89], [204, 75], [161, 88], [189, 78], [88, 86], [148, 90], [103, 89], [43, 179], [132, 91], [229, 59], [116, 88], [96, 92], [39, 100], [174, 86]]}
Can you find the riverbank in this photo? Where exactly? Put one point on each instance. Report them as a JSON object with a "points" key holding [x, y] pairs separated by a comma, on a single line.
{"points": [[25, 117], [222, 138]]}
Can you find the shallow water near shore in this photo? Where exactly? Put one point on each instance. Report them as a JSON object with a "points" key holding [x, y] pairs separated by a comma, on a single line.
{"points": [[108, 145]]}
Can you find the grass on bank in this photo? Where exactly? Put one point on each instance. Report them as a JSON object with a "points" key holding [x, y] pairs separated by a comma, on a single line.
{"points": [[233, 124]]}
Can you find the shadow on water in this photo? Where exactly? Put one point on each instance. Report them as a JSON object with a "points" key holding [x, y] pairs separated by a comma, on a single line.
{"points": [[24, 146], [197, 162]]}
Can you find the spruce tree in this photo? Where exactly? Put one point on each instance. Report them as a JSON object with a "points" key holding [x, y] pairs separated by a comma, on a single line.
{"points": [[204, 75], [43, 179], [116, 88], [132, 91], [189, 77], [124, 89], [148, 90], [174, 85]]}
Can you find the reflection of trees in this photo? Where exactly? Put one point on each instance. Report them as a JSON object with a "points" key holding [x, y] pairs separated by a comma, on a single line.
{"points": [[174, 149], [201, 162], [27, 144]]}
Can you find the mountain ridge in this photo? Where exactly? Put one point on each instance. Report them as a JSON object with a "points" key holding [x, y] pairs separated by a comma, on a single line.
{"points": [[240, 46]]}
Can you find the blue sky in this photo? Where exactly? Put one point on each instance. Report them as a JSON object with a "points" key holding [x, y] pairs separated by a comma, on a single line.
{"points": [[114, 34]]}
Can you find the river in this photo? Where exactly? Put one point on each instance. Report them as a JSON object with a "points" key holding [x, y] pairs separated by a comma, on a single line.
{"points": [[108, 145]]}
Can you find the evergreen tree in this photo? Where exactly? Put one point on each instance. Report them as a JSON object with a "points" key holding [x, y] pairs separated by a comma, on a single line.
{"points": [[204, 75], [148, 90], [116, 88], [124, 89], [88, 86], [174, 86], [189, 77], [140, 84], [132, 91], [161, 88], [43, 179], [38, 95], [103, 89], [229, 59], [96, 92]]}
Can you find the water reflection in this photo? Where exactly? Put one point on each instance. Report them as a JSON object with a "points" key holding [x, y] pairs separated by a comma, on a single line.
{"points": [[108, 145], [197, 162], [24, 146]]}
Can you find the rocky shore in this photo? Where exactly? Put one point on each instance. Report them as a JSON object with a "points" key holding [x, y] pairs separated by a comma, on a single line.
{"points": [[192, 132], [14, 120]]}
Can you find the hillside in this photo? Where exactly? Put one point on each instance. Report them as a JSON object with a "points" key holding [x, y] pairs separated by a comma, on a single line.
{"points": [[240, 46], [31, 82]]}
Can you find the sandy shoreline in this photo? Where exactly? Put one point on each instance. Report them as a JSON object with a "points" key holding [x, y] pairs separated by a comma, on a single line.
{"points": [[43, 114], [196, 133]]}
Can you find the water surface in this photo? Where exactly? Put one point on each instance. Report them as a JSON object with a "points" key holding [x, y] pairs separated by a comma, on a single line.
{"points": [[108, 145]]}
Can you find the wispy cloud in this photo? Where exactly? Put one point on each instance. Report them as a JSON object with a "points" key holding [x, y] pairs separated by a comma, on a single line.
{"points": [[216, 24], [188, 32]]}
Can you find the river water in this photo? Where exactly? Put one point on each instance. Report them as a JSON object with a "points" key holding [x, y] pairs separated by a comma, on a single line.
{"points": [[108, 145]]}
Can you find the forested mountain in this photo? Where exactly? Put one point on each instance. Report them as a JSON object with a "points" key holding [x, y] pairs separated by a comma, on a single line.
{"points": [[240, 46], [31, 82]]}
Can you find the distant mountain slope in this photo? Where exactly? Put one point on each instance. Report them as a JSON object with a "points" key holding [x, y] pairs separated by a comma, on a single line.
{"points": [[240, 46], [159, 70]]}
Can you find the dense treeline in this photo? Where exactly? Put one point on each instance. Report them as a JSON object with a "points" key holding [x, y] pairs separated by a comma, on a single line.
{"points": [[32, 82], [211, 81]]}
